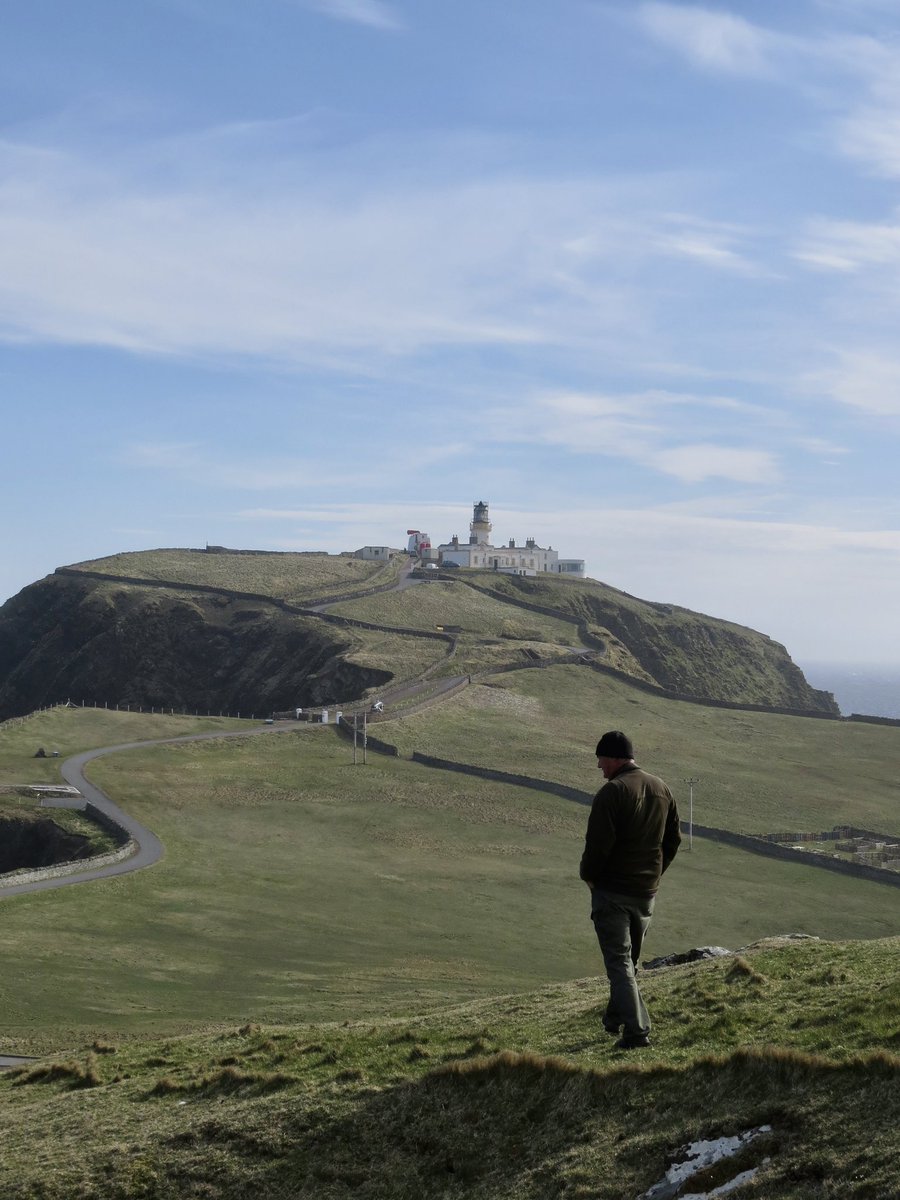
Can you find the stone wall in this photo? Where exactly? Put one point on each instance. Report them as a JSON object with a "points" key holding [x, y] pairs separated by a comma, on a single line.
{"points": [[741, 840], [125, 850]]}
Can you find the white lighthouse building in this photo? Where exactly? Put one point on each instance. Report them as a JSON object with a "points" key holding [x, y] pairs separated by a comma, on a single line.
{"points": [[511, 559]]}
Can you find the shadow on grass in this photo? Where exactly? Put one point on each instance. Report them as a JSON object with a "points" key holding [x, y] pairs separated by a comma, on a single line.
{"points": [[518, 1125], [512, 1127]]}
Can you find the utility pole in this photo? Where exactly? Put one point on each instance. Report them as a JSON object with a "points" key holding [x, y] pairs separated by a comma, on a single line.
{"points": [[691, 783], [356, 734], [365, 734]]}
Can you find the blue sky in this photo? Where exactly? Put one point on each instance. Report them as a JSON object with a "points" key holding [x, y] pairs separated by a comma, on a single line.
{"points": [[300, 274]]}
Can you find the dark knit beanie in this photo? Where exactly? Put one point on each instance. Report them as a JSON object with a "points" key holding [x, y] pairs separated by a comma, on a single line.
{"points": [[615, 745]]}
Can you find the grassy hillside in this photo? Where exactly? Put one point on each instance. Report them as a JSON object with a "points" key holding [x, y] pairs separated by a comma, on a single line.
{"points": [[512, 1098], [67, 731], [677, 649], [493, 632], [62, 732], [296, 886], [294, 577], [194, 651], [758, 772], [681, 650], [381, 980], [436, 604], [402, 657]]}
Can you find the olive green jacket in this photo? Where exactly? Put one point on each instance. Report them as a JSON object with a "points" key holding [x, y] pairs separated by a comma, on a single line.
{"points": [[633, 834]]}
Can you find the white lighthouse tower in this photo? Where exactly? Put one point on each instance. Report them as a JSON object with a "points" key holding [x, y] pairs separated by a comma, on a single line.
{"points": [[480, 525]]}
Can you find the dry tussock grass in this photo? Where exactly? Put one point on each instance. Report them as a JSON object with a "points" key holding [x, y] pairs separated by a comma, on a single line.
{"points": [[740, 969], [76, 1074], [227, 1080]]}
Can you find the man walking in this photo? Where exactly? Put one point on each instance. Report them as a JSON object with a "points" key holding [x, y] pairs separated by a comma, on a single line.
{"points": [[632, 836]]}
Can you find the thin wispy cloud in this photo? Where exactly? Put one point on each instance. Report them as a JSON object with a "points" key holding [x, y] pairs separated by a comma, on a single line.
{"points": [[203, 465], [702, 461], [822, 447], [866, 380], [195, 272], [709, 251], [850, 245], [641, 427], [374, 13], [206, 263], [871, 134], [245, 470], [715, 41], [850, 77]]}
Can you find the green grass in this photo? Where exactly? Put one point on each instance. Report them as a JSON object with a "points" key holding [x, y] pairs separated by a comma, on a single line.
{"points": [[494, 633], [296, 886], [758, 772], [381, 981], [681, 650], [71, 730], [433, 604], [511, 1097], [475, 656], [404, 655], [294, 577]]}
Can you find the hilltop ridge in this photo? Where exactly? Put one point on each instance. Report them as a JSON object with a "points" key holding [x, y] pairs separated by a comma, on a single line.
{"points": [[233, 631]]}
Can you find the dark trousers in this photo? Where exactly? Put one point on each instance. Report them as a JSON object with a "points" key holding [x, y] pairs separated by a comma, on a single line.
{"points": [[621, 923]]}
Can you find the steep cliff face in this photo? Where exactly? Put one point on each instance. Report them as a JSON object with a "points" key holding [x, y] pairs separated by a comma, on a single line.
{"points": [[679, 650], [68, 636]]}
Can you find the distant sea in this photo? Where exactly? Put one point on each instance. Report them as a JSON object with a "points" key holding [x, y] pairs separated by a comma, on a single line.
{"points": [[871, 689]]}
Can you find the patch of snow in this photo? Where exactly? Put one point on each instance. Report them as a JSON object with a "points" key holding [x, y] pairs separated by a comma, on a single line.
{"points": [[699, 1156]]}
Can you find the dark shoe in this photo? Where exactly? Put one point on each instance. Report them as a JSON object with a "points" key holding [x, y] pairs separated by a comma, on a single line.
{"points": [[614, 1030], [632, 1042]]}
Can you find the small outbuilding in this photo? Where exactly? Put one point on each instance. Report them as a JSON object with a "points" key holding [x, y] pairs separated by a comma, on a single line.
{"points": [[376, 553]]}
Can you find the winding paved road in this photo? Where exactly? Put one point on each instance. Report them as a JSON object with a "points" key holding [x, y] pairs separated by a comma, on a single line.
{"points": [[149, 848]]}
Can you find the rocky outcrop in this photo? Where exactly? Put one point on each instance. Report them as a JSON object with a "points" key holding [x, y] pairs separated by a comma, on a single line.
{"points": [[89, 639]]}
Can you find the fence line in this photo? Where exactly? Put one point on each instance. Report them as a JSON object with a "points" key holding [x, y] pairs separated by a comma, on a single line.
{"points": [[154, 710]]}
